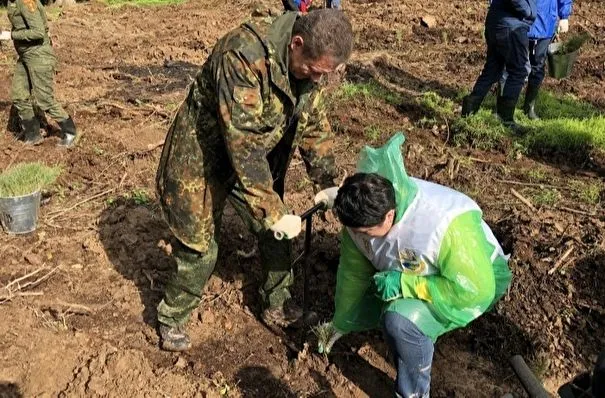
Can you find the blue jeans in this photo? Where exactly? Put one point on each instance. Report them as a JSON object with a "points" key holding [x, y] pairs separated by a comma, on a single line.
{"points": [[413, 356], [506, 47]]}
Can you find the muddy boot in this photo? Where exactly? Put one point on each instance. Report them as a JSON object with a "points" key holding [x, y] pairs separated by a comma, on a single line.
{"points": [[174, 338], [471, 105], [287, 315], [529, 106], [31, 131], [68, 130], [506, 111]]}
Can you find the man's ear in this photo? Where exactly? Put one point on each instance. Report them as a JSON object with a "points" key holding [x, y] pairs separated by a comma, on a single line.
{"points": [[297, 42]]}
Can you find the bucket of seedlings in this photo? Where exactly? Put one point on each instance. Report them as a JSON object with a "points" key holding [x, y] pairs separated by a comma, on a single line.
{"points": [[562, 55], [20, 188]]}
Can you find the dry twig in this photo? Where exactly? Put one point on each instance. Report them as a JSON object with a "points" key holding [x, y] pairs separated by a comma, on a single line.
{"points": [[17, 287], [561, 260], [523, 199], [58, 213]]}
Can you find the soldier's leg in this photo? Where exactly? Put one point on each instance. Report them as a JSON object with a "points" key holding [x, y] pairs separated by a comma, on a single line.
{"points": [[21, 98], [42, 81], [276, 259]]}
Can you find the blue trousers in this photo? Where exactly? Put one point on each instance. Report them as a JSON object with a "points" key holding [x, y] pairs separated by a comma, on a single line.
{"points": [[506, 48], [538, 50], [413, 356]]}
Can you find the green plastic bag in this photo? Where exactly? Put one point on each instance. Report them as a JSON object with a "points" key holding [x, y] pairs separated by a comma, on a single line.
{"points": [[387, 162]]}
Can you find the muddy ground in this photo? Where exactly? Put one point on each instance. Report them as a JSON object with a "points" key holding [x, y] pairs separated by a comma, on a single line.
{"points": [[91, 329]]}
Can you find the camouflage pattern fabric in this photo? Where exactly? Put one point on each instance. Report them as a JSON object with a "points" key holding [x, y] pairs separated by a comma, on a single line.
{"points": [[35, 68], [241, 153]]}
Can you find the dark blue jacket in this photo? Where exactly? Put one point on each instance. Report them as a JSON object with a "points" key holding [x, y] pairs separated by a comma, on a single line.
{"points": [[549, 13], [511, 13]]}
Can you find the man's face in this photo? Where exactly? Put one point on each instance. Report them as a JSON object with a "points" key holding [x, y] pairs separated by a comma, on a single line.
{"points": [[303, 68], [380, 230]]}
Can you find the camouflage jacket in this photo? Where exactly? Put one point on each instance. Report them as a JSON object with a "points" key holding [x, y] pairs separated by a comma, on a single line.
{"points": [[30, 30], [240, 123]]}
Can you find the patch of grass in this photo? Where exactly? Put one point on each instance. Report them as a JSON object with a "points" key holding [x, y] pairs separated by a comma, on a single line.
{"points": [[482, 130], [142, 3], [436, 105], [547, 197], [567, 124], [25, 178], [139, 196], [371, 89], [372, 133], [537, 175], [587, 192]]}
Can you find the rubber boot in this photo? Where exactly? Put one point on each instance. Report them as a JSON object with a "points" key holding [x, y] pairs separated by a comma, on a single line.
{"points": [[174, 338], [68, 130], [529, 106], [506, 111], [286, 315], [31, 131], [471, 105]]}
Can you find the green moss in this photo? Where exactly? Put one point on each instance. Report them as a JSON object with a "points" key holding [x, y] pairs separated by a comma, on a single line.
{"points": [[547, 197], [25, 178], [370, 89]]}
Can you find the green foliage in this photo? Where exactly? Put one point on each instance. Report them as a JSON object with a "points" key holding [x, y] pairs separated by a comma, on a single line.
{"points": [[371, 133], [573, 43], [25, 178], [537, 175], [551, 106], [437, 106], [370, 89], [547, 197], [142, 3], [139, 196], [482, 130], [587, 192]]}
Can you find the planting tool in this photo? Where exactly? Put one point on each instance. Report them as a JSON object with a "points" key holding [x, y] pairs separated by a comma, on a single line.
{"points": [[308, 317]]}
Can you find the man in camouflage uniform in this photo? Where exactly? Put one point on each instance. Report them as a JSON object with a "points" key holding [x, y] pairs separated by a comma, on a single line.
{"points": [[35, 70], [255, 100]]}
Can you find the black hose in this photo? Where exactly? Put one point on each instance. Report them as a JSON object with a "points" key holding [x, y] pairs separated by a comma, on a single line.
{"points": [[531, 384]]}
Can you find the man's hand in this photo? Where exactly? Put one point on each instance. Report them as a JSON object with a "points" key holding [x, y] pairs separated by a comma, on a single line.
{"points": [[388, 285], [563, 26], [289, 226], [327, 196], [326, 337], [5, 35]]}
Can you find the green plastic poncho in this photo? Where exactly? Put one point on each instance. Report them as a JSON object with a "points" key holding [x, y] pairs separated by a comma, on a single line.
{"points": [[467, 284]]}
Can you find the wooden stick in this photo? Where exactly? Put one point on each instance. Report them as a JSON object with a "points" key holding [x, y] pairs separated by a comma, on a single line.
{"points": [[60, 212], [561, 260], [584, 213], [522, 199], [531, 184]]}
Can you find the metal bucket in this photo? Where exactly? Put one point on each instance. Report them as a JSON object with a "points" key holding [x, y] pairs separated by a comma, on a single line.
{"points": [[560, 65], [19, 214]]}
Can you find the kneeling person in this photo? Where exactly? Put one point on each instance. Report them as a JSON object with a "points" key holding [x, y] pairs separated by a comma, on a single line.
{"points": [[421, 265]]}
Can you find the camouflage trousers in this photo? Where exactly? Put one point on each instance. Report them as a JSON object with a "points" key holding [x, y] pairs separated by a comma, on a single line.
{"points": [[33, 83], [184, 290]]}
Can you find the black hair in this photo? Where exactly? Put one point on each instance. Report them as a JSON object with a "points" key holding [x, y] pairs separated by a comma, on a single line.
{"points": [[364, 199], [325, 32]]}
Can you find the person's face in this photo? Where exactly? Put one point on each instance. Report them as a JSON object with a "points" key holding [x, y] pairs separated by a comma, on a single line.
{"points": [[380, 230], [303, 68]]}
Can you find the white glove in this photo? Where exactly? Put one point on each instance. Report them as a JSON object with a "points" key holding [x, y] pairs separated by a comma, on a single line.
{"points": [[563, 26], [327, 196], [289, 226], [5, 35], [326, 337]]}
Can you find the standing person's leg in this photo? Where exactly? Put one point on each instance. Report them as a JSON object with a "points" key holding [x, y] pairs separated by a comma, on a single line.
{"points": [[21, 98], [537, 55], [276, 259], [598, 377], [516, 48], [491, 73], [183, 292], [413, 356], [42, 75]]}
